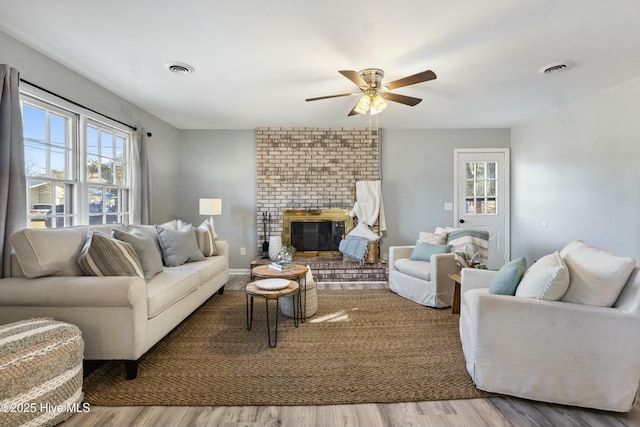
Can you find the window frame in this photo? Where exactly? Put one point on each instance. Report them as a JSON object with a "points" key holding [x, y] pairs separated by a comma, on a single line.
{"points": [[77, 179]]}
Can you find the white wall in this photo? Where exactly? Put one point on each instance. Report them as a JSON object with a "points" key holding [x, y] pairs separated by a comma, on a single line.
{"points": [[577, 170], [417, 177], [45, 72]]}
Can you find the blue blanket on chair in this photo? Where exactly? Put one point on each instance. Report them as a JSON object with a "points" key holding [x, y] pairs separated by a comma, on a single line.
{"points": [[355, 247]]}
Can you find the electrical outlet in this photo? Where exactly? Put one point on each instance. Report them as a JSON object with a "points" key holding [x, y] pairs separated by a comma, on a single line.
{"points": [[243, 251]]}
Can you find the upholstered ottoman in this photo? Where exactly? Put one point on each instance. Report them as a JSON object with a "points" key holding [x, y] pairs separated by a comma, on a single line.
{"points": [[286, 304], [40, 372]]}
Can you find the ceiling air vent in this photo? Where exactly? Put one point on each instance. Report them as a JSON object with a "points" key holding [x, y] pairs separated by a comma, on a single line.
{"points": [[554, 68], [180, 68]]}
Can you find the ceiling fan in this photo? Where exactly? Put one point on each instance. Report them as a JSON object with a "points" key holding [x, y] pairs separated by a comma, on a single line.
{"points": [[374, 93]]}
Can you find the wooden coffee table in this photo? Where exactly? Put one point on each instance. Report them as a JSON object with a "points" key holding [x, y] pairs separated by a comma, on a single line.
{"points": [[252, 290], [298, 273]]}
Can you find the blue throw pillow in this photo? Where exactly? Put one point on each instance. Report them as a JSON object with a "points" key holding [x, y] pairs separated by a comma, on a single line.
{"points": [[423, 251], [506, 280]]}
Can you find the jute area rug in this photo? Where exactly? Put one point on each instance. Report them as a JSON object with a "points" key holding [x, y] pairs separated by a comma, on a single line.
{"points": [[362, 346]]}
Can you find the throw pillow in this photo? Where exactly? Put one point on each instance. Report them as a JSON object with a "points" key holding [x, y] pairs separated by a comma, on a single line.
{"points": [[148, 254], [206, 240], [597, 276], [103, 255], [548, 279], [423, 251], [363, 230], [178, 246], [433, 238], [506, 280]]}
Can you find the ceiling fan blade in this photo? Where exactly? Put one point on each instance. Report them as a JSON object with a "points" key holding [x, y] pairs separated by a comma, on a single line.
{"points": [[402, 99], [353, 111], [411, 80], [330, 96], [355, 77]]}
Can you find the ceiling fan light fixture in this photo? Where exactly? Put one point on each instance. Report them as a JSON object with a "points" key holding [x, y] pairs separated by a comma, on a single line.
{"points": [[364, 104], [378, 104]]}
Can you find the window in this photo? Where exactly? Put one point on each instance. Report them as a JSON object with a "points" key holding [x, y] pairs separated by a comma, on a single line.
{"points": [[77, 164], [480, 188]]}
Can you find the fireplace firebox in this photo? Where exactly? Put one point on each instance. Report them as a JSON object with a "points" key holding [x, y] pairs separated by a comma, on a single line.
{"points": [[315, 232]]}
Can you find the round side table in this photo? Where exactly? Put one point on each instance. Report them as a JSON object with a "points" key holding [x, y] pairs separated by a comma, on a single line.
{"points": [[298, 273], [252, 290]]}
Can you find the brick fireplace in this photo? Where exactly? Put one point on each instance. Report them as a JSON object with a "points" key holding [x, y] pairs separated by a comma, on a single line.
{"points": [[310, 169]]}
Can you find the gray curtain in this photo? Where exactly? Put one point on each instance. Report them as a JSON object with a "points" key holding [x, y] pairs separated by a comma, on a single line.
{"points": [[13, 197], [141, 182]]}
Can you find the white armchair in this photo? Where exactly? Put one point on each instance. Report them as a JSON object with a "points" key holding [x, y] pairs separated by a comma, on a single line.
{"points": [[427, 283], [552, 351]]}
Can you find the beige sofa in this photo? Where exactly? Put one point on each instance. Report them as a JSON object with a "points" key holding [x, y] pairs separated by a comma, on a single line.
{"points": [[121, 317]]}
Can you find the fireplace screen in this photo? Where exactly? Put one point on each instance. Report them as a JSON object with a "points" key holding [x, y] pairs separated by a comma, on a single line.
{"points": [[316, 232]]}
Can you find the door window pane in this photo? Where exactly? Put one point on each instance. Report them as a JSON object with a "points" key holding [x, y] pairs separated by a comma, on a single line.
{"points": [[480, 188]]}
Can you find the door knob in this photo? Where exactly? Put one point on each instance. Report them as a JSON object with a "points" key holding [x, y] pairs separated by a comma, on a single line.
{"points": [[462, 221]]}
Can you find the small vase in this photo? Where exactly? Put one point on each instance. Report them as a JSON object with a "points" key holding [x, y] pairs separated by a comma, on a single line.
{"points": [[275, 245]]}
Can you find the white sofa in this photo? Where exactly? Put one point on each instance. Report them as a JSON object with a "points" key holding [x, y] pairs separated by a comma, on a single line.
{"points": [[553, 351], [425, 282], [121, 317]]}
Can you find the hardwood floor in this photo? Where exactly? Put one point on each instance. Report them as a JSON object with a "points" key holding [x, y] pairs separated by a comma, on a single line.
{"points": [[492, 412]]}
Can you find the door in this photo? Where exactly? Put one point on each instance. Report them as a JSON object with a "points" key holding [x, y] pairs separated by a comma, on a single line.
{"points": [[481, 199]]}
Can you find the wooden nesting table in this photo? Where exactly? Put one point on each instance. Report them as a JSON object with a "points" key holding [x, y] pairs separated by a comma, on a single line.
{"points": [[299, 273], [252, 290]]}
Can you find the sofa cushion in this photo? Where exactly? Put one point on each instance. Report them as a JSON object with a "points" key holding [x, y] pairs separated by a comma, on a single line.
{"points": [[145, 248], [423, 251], [433, 238], [169, 287], [52, 251], [207, 269], [419, 269], [103, 255], [548, 278], [596, 276], [506, 280], [178, 246], [205, 238]]}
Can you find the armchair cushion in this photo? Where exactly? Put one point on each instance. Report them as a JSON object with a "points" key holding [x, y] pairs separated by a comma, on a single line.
{"points": [[434, 238], [419, 269], [597, 276], [508, 277], [548, 279], [423, 251]]}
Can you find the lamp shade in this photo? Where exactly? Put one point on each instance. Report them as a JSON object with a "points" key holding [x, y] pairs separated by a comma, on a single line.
{"points": [[210, 206]]}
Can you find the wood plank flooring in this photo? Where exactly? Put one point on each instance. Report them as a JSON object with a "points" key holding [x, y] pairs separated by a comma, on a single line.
{"points": [[492, 412]]}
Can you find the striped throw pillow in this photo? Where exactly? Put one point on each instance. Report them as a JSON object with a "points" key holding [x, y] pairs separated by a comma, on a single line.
{"points": [[206, 240], [103, 255]]}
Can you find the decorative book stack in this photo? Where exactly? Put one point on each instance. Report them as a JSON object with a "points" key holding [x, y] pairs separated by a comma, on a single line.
{"points": [[282, 266]]}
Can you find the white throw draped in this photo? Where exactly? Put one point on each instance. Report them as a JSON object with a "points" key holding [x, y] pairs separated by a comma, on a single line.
{"points": [[368, 206]]}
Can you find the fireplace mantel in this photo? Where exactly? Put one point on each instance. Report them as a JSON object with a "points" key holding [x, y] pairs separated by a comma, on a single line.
{"points": [[315, 232]]}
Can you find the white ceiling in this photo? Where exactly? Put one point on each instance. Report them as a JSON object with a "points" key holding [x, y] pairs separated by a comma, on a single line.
{"points": [[256, 61]]}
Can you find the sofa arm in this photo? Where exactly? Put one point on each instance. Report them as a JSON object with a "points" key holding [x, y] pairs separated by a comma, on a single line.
{"points": [[398, 252], [223, 249], [442, 265], [474, 278], [74, 291]]}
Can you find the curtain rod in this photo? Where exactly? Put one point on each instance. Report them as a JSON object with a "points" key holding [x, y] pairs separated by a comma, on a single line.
{"points": [[80, 105]]}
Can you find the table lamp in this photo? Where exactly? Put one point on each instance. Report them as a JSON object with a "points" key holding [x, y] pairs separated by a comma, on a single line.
{"points": [[211, 207]]}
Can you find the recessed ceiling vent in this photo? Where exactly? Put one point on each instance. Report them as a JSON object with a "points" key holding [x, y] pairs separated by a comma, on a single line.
{"points": [[180, 68], [554, 68]]}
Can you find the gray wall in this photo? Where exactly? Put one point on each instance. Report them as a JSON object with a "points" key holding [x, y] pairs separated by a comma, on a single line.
{"points": [[221, 164], [417, 177], [45, 72], [577, 171]]}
